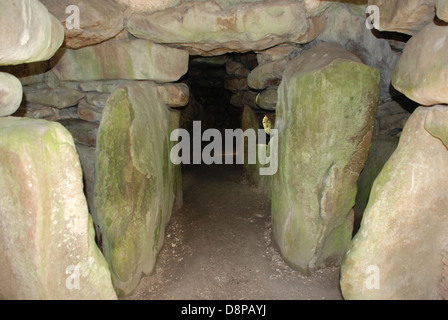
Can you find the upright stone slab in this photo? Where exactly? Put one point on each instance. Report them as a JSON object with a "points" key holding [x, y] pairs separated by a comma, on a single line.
{"points": [[325, 116], [47, 247], [135, 181], [124, 59], [397, 253], [206, 28]]}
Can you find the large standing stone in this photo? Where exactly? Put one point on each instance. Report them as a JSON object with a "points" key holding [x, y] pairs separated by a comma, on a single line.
{"points": [[126, 59], [403, 231], [28, 32], [46, 231], [207, 29], [10, 94], [99, 20], [135, 181], [406, 16], [421, 72], [325, 115]]}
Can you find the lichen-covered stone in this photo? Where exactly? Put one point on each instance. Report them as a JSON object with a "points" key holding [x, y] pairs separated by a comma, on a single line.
{"points": [[325, 116], [46, 231], [421, 71], [403, 231], [28, 32], [442, 9], [134, 190], [10, 94], [125, 59]]}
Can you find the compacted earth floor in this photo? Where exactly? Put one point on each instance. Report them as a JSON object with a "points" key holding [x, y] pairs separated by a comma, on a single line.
{"points": [[219, 247]]}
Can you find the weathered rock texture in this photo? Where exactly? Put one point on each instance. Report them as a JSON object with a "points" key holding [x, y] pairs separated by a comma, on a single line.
{"points": [[10, 94], [99, 20], [58, 98], [148, 5], [135, 196], [206, 28], [403, 232], [46, 231], [406, 16], [126, 59], [380, 151], [28, 32], [325, 114], [421, 73]]}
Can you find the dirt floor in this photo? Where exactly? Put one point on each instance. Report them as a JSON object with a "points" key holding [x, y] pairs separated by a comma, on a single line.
{"points": [[219, 247]]}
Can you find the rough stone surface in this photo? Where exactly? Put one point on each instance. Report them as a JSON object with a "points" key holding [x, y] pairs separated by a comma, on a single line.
{"points": [[38, 111], [207, 29], [45, 228], [276, 53], [442, 9], [325, 115], [405, 16], [267, 99], [147, 5], [443, 287], [249, 121], [59, 98], [174, 95], [28, 32], [391, 118], [268, 74], [403, 231], [134, 200], [10, 94], [89, 112], [83, 132], [346, 26], [99, 20], [421, 72], [380, 151], [125, 59]]}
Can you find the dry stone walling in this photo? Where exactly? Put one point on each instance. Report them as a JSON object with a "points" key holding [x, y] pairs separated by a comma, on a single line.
{"points": [[47, 239]]}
